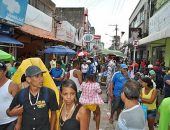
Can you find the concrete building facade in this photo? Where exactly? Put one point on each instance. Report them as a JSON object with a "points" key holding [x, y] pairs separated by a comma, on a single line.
{"points": [[78, 17], [158, 40], [46, 6], [139, 28]]}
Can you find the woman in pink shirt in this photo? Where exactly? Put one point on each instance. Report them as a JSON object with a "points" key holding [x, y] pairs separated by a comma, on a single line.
{"points": [[90, 97]]}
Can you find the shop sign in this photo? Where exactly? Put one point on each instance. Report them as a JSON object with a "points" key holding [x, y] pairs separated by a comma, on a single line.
{"points": [[135, 34], [79, 36], [66, 32], [97, 37], [6, 29], [88, 37], [13, 11]]}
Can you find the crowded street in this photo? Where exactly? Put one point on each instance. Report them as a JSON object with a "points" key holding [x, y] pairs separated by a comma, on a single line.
{"points": [[84, 65]]}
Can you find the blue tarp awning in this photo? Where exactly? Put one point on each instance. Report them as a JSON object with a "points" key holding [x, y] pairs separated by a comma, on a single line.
{"points": [[4, 39]]}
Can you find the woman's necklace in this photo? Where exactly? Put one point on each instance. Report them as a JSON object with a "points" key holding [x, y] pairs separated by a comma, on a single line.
{"points": [[36, 99], [67, 114]]}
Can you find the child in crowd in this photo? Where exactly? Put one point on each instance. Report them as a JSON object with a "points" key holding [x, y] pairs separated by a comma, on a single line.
{"points": [[90, 97]]}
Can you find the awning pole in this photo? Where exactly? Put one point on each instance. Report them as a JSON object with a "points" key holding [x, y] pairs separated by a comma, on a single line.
{"points": [[134, 60]]}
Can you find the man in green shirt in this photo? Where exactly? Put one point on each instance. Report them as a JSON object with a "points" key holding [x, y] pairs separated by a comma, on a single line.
{"points": [[164, 110]]}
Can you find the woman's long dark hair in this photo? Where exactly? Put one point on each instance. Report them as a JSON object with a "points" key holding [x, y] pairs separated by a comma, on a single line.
{"points": [[148, 81]]}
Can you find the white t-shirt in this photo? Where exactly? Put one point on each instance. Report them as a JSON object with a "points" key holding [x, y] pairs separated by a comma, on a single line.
{"points": [[131, 119], [84, 68], [53, 63]]}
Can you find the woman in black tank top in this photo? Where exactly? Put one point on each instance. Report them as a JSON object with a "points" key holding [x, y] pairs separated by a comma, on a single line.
{"points": [[73, 116]]}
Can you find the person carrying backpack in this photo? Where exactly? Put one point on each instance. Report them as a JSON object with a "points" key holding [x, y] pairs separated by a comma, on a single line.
{"points": [[36, 100]]}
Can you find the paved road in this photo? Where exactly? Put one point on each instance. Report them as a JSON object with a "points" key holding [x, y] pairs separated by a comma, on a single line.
{"points": [[105, 112]]}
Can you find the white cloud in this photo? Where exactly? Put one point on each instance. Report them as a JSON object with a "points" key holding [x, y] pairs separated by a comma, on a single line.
{"points": [[12, 6]]}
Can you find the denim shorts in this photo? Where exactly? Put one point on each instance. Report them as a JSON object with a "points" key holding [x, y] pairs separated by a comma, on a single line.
{"points": [[151, 113], [117, 103]]}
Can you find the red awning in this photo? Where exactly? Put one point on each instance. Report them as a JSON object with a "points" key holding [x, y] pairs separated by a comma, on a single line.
{"points": [[38, 32]]}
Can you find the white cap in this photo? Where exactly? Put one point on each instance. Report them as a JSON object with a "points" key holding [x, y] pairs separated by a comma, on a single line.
{"points": [[88, 61], [150, 66]]}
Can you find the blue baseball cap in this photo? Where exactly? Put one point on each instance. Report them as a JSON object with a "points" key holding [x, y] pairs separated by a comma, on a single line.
{"points": [[33, 70], [123, 66]]}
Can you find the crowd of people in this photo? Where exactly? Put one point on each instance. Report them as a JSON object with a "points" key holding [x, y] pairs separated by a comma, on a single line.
{"points": [[131, 87]]}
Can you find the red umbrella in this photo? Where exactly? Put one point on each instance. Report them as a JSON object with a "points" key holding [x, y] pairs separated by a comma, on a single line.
{"points": [[83, 53]]}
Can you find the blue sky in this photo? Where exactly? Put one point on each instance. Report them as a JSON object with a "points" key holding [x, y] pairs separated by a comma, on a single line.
{"points": [[103, 13]]}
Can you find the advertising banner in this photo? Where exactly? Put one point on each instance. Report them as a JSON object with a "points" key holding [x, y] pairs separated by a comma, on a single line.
{"points": [[13, 11], [37, 18], [66, 32], [134, 34]]}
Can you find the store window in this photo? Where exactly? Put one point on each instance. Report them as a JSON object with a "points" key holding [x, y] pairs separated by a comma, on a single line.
{"points": [[158, 53]]}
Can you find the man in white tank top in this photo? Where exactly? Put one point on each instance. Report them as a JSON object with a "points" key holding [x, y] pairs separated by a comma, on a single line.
{"points": [[7, 91], [75, 74], [84, 69]]}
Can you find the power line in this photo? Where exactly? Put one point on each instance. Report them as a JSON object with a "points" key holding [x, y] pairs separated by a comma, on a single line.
{"points": [[114, 8], [118, 4], [121, 7]]}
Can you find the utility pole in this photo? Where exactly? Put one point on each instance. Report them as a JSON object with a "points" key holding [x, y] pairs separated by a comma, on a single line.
{"points": [[116, 40], [116, 36]]}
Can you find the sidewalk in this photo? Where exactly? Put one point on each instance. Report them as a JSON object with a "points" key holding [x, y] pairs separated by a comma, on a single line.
{"points": [[105, 113]]}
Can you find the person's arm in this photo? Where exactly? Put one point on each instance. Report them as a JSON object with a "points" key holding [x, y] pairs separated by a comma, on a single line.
{"points": [[151, 100], [61, 77], [53, 120], [83, 117], [18, 123], [13, 89], [79, 76], [111, 86], [15, 108], [16, 111], [53, 106]]}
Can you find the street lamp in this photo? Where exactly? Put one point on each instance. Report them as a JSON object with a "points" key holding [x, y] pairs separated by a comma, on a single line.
{"points": [[122, 33]]}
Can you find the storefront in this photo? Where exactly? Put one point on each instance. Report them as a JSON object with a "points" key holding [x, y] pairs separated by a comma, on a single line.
{"points": [[35, 41], [11, 16]]}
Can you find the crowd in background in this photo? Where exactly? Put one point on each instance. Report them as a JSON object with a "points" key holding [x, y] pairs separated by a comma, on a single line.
{"points": [[136, 92]]}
